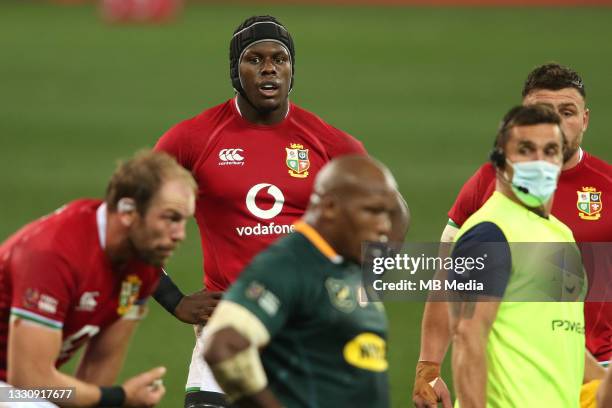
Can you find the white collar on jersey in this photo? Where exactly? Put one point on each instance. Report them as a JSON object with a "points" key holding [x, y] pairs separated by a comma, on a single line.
{"points": [[240, 113], [580, 154], [101, 222]]}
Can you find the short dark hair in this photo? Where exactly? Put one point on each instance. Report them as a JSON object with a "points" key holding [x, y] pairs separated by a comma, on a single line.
{"points": [[524, 115], [140, 177], [527, 115], [553, 76]]}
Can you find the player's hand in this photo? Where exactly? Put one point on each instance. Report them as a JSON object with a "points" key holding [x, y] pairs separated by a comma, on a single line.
{"points": [[429, 387], [197, 307], [145, 390]]}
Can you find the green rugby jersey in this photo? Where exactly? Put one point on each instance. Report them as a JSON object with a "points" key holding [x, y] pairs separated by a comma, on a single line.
{"points": [[327, 348], [535, 350]]}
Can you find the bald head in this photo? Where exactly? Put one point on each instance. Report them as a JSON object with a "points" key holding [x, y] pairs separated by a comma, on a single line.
{"points": [[353, 174], [354, 201]]}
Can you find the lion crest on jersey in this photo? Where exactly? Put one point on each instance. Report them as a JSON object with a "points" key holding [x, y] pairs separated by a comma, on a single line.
{"points": [[589, 203], [297, 160], [130, 288]]}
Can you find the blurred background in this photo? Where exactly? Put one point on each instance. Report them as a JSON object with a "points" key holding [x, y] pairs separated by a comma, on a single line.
{"points": [[83, 84]]}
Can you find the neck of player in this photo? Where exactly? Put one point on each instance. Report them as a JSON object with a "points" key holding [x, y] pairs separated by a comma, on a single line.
{"points": [[118, 247], [573, 160], [263, 117]]}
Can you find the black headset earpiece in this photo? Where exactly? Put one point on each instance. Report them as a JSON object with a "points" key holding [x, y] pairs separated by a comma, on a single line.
{"points": [[498, 158]]}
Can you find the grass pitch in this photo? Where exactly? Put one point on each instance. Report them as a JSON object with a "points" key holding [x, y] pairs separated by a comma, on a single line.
{"points": [[423, 89]]}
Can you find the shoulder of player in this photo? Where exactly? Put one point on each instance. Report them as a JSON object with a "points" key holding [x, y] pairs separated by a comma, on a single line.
{"points": [[203, 123], [485, 231], [564, 229], [487, 169], [70, 229], [327, 134], [290, 254], [307, 119], [75, 212], [481, 178], [478, 183], [485, 173], [598, 166]]}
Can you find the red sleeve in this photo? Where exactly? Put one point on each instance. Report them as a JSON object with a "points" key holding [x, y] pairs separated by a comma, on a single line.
{"points": [[42, 287], [150, 285], [472, 194], [345, 144], [177, 143]]}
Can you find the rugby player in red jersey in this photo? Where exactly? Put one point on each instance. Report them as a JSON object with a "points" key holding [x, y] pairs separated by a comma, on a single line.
{"points": [[583, 193], [254, 157], [81, 276]]}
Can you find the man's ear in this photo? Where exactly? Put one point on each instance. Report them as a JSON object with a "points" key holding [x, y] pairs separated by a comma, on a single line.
{"points": [[329, 207], [126, 208]]}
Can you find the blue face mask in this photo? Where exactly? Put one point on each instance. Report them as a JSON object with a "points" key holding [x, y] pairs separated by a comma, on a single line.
{"points": [[534, 182]]}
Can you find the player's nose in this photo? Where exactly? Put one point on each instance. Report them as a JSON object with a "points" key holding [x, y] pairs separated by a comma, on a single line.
{"points": [[268, 67], [383, 226], [540, 154], [179, 233]]}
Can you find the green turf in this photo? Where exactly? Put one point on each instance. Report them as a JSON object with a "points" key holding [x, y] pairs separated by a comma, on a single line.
{"points": [[423, 88]]}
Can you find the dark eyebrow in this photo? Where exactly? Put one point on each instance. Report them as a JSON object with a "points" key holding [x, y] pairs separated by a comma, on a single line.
{"points": [[526, 143], [170, 211], [567, 105]]}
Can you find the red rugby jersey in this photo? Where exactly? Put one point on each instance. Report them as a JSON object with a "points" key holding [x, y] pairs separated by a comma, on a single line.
{"points": [[54, 272], [254, 181], [582, 201]]}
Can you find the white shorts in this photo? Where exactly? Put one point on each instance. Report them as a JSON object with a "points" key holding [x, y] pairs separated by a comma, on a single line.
{"points": [[200, 377], [4, 387]]}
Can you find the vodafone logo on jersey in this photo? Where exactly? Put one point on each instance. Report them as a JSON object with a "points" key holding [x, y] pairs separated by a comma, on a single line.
{"points": [[231, 157], [266, 213], [277, 207]]}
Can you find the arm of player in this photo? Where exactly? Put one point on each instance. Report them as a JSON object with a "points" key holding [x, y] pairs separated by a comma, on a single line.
{"points": [[470, 326], [604, 391], [191, 309], [435, 338], [236, 335], [435, 334], [32, 352], [594, 383], [592, 369], [105, 353]]}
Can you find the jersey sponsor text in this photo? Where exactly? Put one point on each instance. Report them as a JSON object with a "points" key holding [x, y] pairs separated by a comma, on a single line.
{"points": [[261, 229]]}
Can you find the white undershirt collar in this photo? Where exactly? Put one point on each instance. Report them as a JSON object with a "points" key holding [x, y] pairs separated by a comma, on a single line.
{"points": [[101, 218]]}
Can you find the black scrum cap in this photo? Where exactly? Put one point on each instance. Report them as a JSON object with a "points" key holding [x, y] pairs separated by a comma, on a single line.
{"points": [[254, 30]]}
